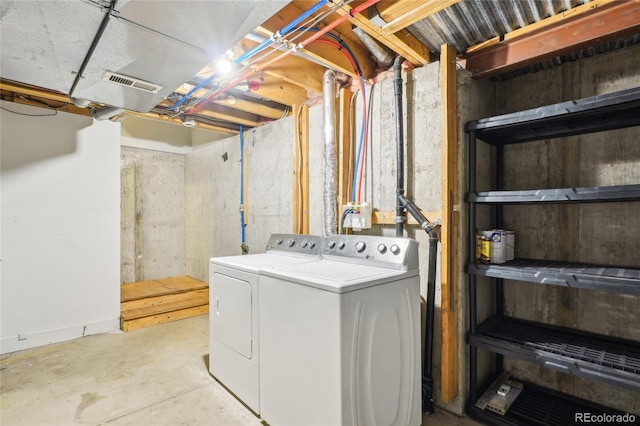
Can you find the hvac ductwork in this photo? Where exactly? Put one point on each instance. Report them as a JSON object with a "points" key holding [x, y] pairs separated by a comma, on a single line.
{"points": [[329, 152], [382, 55], [106, 112]]}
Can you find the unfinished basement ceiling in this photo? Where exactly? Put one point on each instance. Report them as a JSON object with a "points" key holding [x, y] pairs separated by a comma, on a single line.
{"points": [[156, 59]]}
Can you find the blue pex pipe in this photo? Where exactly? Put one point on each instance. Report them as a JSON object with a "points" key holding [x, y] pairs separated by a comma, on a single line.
{"points": [[242, 183]]}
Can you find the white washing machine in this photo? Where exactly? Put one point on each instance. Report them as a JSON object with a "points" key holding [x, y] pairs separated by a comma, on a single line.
{"points": [[340, 337], [234, 332]]}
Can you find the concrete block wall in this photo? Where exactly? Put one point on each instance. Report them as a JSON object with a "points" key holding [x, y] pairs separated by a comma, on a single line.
{"points": [[598, 233]]}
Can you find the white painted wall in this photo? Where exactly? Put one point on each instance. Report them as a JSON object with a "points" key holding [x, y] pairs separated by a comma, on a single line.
{"points": [[156, 135], [60, 217]]}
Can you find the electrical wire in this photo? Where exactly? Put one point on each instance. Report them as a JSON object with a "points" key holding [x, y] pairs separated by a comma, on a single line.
{"points": [[37, 101], [55, 112], [344, 217]]}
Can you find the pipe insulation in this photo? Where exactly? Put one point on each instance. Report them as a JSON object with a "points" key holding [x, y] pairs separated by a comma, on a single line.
{"points": [[329, 152]]}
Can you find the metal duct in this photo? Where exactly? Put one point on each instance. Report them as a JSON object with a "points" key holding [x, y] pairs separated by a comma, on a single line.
{"points": [[382, 55], [106, 112], [330, 152]]}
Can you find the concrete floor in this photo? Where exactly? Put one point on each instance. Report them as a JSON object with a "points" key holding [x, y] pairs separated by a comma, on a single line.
{"points": [[153, 376]]}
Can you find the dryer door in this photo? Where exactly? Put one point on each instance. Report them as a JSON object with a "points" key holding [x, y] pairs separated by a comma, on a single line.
{"points": [[231, 314]]}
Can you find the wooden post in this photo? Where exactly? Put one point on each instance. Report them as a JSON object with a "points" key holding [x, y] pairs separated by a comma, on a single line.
{"points": [[449, 267], [344, 149], [300, 169]]}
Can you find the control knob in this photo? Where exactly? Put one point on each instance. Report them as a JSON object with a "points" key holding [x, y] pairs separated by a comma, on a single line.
{"points": [[394, 249], [332, 244], [304, 244], [291, 242], [341, 245], [312, 245], [382, 248], [360, 246], [279, 241]]}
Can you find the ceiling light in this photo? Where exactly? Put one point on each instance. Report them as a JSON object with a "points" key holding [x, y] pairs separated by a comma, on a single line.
{"points": [[223, 66]]}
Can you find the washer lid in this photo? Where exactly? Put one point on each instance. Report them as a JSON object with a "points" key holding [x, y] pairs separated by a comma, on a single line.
{"points": [[255, 262], [337, 277]]}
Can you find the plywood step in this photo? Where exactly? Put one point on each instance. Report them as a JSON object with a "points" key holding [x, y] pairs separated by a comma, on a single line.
{"points": [[158, 301], [159, 287]]}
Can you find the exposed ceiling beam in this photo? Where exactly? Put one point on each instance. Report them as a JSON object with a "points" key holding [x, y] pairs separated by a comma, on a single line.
{"points": [[40, 102], [292, 69], [238, 103], [277, 90], [598, 24], [177, 120], [401, 42], [402, 13], [327, 55], [33, 91], [256, 108], [223, 113]]}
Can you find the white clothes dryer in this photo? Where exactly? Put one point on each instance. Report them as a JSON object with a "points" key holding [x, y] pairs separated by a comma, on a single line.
{"points": [[340, 337], [234, 332]]}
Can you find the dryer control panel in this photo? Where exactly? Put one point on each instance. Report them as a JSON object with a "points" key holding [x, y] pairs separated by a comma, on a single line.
{"points": [[296, 243], [388, 252]]}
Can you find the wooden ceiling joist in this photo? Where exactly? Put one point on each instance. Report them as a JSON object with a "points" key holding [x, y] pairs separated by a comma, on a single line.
{"points": [[178, 120], [279, 91], [223, 113], [597, 24], [234, 102], [324, 54], [292, 69], [255, 108], [401, 42], [402, 13]]}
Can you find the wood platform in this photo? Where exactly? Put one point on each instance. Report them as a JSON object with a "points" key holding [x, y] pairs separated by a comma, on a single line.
{"points": [[146, 303]]}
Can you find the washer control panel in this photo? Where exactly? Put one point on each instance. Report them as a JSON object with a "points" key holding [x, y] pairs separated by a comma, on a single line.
{"points": [[393, 252], [295, 243]]}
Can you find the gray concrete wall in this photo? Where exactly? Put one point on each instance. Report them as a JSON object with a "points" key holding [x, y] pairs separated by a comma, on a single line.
{"points": [[152, 214], [213, 194], [598, 233]]}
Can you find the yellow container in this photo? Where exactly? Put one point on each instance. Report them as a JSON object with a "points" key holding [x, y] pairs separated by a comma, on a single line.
{"points": [[483, 249]]}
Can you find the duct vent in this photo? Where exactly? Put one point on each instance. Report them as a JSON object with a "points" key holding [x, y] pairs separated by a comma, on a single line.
{"points": [[132, 82]]}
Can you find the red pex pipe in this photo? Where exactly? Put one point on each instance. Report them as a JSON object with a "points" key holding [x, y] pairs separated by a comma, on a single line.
{"points": [[302, 44]]}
